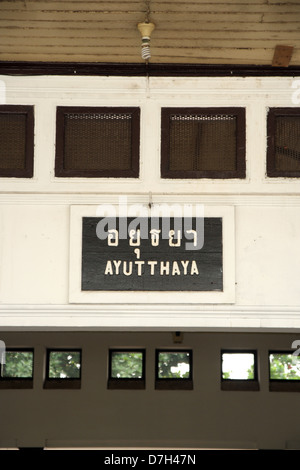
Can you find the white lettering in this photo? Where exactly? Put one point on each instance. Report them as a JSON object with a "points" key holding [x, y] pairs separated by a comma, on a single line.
{"points": [[108, 269], [155, 237], [164, 267], [194, 268], [115, 460], [129, 272], [194, 232], [139, 265], [135, 237], [113, 237], [152, 265], [185, 266], [171, 238], [175, 269], [117, 265]]}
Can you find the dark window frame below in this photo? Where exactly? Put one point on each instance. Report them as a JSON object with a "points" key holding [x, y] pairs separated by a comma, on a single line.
{"points": [[26, 172], [61, 172], [119, 383], [282, 385], [62, 383], [174, 383], [271, 170], [239, 173], [17, 382], [250, 385]]}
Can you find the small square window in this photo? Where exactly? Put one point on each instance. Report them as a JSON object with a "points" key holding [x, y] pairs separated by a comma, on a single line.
{"points": [[203, 143], [283, 152], [126, 369], [17, 141], [284, 371], [97, 142], [17, 372], [63, 368], [239, 370], [174, 370]]}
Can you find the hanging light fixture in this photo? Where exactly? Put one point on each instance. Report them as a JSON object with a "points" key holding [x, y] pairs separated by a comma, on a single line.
{"points": [[146, 29]]}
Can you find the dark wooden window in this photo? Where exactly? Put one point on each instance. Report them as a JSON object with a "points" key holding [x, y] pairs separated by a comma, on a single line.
{"points": [[97, 142], [63, 368], [283, 150], [174, 369], [284, 371], [126, 369], [17, 141], [17, 372], [239, 370], [203, 143]]}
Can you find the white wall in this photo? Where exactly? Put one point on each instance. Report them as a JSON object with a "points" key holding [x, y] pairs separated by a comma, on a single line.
{"points": [[35, 213]]}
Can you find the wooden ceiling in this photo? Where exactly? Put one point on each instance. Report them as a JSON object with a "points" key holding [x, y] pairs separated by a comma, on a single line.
{"points": [[242, 32]]}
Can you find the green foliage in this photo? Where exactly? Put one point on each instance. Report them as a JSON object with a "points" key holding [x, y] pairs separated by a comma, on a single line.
{"points": [[250, 372], [126, 365], [173, 365], [18, 364], [284, 367], [64, 364]]}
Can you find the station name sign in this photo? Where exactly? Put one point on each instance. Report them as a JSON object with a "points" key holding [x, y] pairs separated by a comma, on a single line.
{"points": [[142, 254]]}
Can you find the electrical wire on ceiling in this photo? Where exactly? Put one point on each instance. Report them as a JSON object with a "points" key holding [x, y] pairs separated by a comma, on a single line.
{"points": [[146, 29]]}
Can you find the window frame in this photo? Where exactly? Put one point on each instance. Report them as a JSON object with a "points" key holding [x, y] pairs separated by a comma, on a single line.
{"points": [[26, 172], [282, 385], [17, 382], [133, 172], [170, 383], [62, 383], [272, 114], [251, 385], [126, 383], [240, 172]]}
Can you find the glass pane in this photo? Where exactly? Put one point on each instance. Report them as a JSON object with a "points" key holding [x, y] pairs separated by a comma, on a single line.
{"points": [[238, 366], [126, 365], [64, 364], [174, 365], [18, 365], [284, 367]]}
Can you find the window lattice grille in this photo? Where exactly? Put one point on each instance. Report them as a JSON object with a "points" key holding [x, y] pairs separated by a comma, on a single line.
{"points": [[97, 141], [287, 143], [13, 141], [203, 142]]}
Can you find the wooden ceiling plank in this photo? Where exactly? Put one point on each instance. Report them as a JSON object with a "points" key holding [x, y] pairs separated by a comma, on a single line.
{"points": [[220, 17], [234, 31], [31, 5], [156, 7], [168, 51], [162, 35], [285, 2], [249, 6], [130, 24], [133, 41]]}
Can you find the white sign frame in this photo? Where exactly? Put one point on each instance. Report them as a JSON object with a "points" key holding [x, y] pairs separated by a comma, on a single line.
{"points": [[77, 296]]}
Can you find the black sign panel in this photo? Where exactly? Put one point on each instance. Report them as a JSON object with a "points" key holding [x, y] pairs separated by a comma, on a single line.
{"points": [[166, 255]]}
